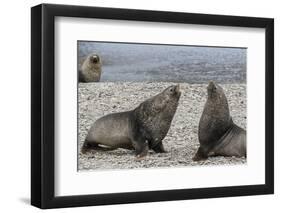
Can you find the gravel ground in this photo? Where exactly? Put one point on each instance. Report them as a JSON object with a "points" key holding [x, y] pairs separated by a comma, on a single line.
{"points": [[181, 142]]}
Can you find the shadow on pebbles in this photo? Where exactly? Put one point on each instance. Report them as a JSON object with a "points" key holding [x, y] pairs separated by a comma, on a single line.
{"points": [[181, 142]]}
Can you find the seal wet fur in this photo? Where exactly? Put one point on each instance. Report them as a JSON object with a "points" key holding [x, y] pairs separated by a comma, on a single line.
{"points": [[217, 134], [90, 70], [140, 129]]}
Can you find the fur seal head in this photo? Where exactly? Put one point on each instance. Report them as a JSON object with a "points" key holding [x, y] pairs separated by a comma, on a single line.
{"points": [[91, 69], [94, 59], [216, 97]]}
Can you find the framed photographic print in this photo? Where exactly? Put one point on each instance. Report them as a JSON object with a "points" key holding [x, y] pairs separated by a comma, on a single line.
{"points": [[139, 106]]}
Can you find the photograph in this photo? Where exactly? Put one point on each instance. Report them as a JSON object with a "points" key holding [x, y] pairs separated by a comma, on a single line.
{"points": [[169, 105], [146, 105]]}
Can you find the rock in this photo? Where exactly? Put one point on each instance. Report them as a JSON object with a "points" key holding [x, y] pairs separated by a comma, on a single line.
{"points": [[181, 142]]}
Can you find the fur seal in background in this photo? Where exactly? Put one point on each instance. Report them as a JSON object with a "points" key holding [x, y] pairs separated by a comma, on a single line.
{"points": [[218, 135], [91, 69], [140, 129]]}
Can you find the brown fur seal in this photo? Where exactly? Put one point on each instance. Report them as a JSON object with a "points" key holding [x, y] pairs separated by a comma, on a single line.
{"points": [[91, 69], [218, 135], [141, 129]]}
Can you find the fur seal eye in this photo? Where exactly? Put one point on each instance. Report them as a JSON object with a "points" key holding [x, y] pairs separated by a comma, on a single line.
{"points": [[172, 89]]}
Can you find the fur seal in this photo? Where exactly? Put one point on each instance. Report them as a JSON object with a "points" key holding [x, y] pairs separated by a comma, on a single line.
{"points": [[218, 135], [140, 129], [91, 69]]}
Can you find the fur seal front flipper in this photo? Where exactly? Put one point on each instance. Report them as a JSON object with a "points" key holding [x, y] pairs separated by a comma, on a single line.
{"points": [[159, 148], [217, 134], [94, 146]]}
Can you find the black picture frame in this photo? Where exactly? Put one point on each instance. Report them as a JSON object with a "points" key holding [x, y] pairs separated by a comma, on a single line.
{"points": [[43, 105]]}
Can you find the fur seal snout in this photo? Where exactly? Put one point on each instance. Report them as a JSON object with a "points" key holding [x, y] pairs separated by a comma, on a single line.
{"points": [[140, 129], [91, 69], [217, 134]]}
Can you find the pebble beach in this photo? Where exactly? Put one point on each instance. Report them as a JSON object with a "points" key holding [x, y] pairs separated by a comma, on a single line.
{"points": [[181, 142]]}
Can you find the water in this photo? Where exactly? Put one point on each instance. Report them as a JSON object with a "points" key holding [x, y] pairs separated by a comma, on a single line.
{"points": [[143, 62]]}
